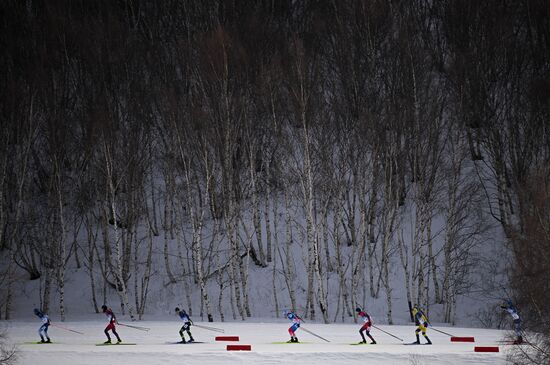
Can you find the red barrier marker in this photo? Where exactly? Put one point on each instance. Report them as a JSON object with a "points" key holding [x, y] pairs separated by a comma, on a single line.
{"points": [[239, 348], [227, 338], [486, 349], [462, 339]]}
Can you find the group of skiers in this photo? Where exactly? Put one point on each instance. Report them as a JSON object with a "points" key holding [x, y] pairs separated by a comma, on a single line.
{"points": [[421, 321], [111, 325]]}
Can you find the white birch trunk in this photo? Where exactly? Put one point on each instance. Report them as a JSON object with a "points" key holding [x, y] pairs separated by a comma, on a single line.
{"points": [[289, 272], [119, 249]]}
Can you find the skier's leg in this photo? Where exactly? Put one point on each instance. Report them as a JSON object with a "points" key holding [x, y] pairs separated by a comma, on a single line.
{"points": [[373, 342], [417, 336], [187, 327], [46, 326], [291, 333], [116, 334], [106, 331], [294, 329], [362, 335], [182, 329], [41, 333], [517, 330], [424, 334], [363, 328]]}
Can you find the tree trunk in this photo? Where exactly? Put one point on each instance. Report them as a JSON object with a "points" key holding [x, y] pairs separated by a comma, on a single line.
{"points": [[91, 262], [256, 211], [404, 256], [167, 221], [269, 249], [61, 242], [289, 272], [185, 274]]}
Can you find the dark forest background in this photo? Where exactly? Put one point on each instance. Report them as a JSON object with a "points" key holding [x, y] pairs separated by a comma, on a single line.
{"points": [[167, 114]]}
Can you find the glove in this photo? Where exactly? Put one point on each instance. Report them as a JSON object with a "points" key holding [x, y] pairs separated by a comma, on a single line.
{"points": [[503, 307]]}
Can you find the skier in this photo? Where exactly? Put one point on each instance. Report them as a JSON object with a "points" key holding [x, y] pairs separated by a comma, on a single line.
{"points": [[512, 310], [43, 330], [366, 326], [295, 319], [186, 324], [421, 321], [111, 326]]}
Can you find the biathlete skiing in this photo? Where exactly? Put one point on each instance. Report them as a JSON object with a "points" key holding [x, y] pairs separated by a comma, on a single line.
{"points": [[43, 330], [366, 326], [422, 322], [186, 325], [512, 310], [295, 319], [111, 326]]}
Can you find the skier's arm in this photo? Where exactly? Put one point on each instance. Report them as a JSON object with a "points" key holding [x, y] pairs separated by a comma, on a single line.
{"points": [[426, 322]]}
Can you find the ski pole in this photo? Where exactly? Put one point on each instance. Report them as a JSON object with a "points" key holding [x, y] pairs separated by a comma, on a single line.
{"points": [[387, 333], [445, 333], [311, 333], [214, 329], [135, 327], [65, 328]]}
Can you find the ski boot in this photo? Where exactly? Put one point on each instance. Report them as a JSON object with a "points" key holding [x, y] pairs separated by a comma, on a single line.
{"points": [[48, 340], [427, 339], [373, 342], [191, 339], [108, 342], [417, 339]]}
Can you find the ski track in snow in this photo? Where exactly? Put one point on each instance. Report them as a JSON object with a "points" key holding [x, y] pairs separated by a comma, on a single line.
{"points": [[151, 348]]}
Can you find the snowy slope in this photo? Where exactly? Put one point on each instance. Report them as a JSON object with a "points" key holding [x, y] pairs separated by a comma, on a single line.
{"points": [[152, 347]]}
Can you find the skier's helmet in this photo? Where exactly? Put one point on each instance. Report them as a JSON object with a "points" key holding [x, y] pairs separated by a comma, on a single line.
{"points": [[358, 309], [37, 312], [177, 309], [104, 308]]}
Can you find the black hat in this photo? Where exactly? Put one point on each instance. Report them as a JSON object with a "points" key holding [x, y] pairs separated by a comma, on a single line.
{"points": [[358, 309], [37, 311], [104, 307], [177, 309]]}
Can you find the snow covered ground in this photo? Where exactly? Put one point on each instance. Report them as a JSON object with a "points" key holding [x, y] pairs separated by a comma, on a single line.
{"points": [[153, 347]]}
